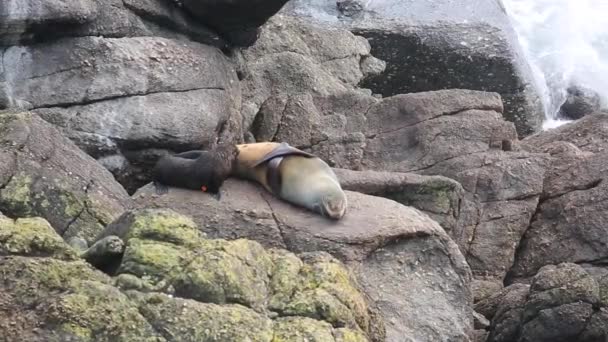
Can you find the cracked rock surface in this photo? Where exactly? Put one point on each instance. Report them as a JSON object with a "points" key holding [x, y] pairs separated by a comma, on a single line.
{"points": [[455, 133], [402, 258], [31, 21], [570, 222], [42, 173], [124, 91], [441, 44], [562, 303]]}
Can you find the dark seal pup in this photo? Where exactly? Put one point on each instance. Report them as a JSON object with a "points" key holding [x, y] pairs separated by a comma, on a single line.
{"points": [[196, 170]]}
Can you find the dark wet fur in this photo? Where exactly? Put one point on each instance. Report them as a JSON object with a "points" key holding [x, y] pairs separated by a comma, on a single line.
{"points": [[283, 150], [195, 169]]}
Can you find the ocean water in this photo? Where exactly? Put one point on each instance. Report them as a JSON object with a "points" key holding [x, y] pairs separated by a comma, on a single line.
{"points": [[566, 41]]}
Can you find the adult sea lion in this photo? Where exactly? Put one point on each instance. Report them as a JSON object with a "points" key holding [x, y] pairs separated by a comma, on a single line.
{"points": [[197, 169], [296, 176]]}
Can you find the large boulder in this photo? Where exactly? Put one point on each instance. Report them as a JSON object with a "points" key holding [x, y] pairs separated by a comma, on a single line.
{"points": [[42, 173], [440, 45], [29, 21], [569, 225], [405, 262], [119, 98], [236, 20], [454, 133], [580, 101], [174, 284], [562, 304], [292, 61], [437, 196], [19, 17]]}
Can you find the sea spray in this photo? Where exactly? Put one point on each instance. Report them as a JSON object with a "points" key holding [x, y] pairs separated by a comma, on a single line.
{"points": [[566, 42]]}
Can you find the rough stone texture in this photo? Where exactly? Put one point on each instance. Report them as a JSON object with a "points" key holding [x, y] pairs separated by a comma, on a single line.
{"points": [[168, 252], [117, 97], [440, 45], [18, 17], [31, 21], [120, 89], [569, 225], [44, 174], [439, 197], [16, 238], [48, 295], [589, 134], [403, 259], [580, 101], [562, 305], [502, 195], [295, 58], [459, 134], [236, 20]]}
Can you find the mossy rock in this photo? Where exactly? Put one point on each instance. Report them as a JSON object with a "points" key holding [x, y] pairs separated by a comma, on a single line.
{"points": [[189, 320], [74, 301], [227, 272], [33, 237], [155, 224], [322, 289], [45, 175], [167, 255]]}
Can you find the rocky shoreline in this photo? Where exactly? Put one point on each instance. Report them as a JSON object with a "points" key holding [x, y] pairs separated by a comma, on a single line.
{"points": [[465, 223]]}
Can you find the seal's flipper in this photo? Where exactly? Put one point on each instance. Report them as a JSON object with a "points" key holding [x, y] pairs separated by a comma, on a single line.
{"points": [[194, 154], [161, 189], [281, 151], [218, 196]]}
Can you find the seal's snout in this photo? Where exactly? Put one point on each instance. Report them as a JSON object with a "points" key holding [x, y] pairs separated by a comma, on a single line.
{"points": [[334, 207]]}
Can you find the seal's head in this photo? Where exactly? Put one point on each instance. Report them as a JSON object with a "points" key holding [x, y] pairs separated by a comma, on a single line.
{"points": [[333, 205], [227, 152]]}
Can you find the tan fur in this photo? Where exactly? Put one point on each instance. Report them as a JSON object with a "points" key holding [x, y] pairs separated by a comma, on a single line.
{"points": [[308, 182]]}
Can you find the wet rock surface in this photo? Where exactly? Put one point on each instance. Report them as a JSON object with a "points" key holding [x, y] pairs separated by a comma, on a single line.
{"points": [[440, 45], [580, 101]]}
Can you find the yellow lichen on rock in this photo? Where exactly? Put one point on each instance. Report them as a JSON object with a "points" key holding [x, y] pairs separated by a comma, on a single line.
{"points": [[32, 236]]}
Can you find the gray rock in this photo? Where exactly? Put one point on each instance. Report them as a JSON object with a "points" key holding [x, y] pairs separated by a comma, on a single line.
{"points": [[171, 17], [459, 134], [502, 300], [589, 134], [439, 197], [580, 101], [401, 266], [32, 21], [569, 223], [441, 44], [91, 69], [560, 306], [20, 19], [293, 57], [483, 289], [44, 174], [114, 95], [480, 336], [503, 190], [236, 20], [508, 309]]}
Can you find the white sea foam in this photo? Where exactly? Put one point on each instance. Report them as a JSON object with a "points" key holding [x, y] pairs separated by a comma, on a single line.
{"points": [[566, 41]]}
